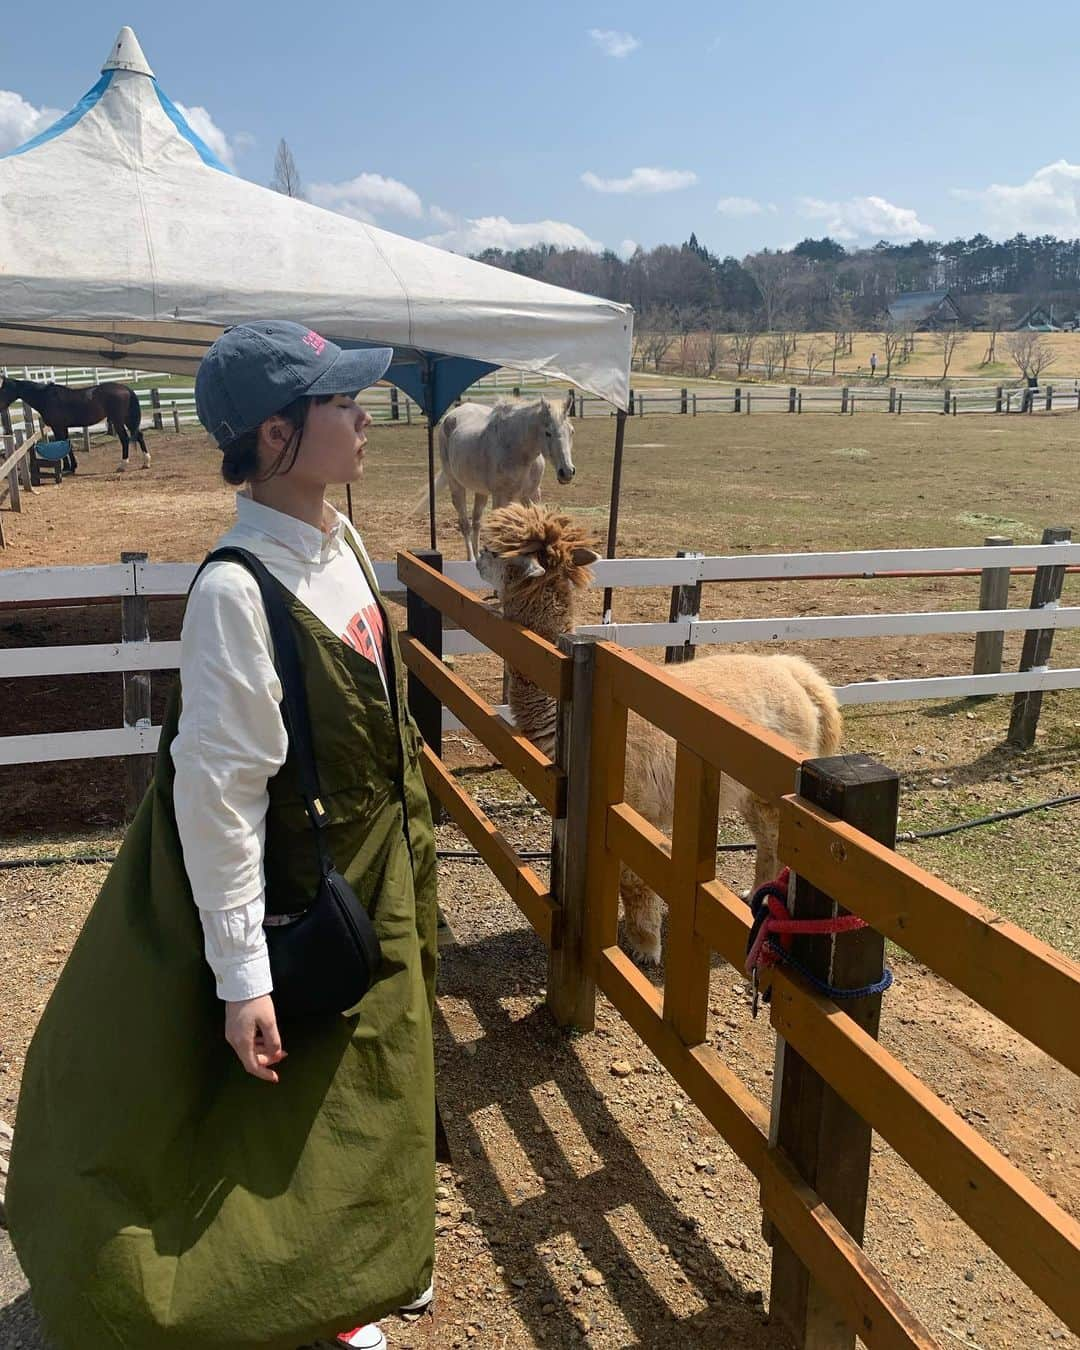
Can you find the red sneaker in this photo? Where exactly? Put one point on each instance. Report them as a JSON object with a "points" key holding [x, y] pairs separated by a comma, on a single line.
{"points": [[366, 1338]]}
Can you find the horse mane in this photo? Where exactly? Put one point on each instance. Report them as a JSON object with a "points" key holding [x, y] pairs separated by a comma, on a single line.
{"points": [[516, 531], [504, 408]]}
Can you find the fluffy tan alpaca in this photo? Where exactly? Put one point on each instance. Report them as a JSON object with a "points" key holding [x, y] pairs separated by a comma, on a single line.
{"points": [[538, 562]]}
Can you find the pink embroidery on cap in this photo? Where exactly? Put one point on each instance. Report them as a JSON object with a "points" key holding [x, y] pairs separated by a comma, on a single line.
{"points": [[315, 342]]}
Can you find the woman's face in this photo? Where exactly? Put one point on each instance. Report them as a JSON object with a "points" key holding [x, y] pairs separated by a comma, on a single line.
{"points": [[332, 449]]}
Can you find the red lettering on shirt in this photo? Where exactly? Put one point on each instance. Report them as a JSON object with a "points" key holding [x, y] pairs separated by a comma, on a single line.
{"points": [[366, 634]]}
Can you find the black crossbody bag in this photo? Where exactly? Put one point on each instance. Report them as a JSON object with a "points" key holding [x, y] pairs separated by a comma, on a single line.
{"points": [[326, 960]]}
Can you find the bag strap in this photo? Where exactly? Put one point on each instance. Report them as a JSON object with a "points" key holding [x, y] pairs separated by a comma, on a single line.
{"points": [[294, 699]]}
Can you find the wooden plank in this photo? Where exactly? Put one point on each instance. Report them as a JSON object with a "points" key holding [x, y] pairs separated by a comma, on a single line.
{"points": [[65, 583], [870, 562], [530, 655], [1045, 592], [956, 686], [10, 461], [607, 786], [722, 919], [1032, 1234], [571, 985], [764, 762], [875, 625], [873, 1307], [693, 861], [1015, 976], [993, 594], [826, 1141], [48, 747], [94, 658], [425, 626], [641, 846], [533, 770], [521, 883]]}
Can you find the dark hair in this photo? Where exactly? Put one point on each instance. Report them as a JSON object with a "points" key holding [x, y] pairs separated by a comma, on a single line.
{"points": [[240, 458]]}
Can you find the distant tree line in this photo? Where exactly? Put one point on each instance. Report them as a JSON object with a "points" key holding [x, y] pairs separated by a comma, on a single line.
{"points": [[687, 288]]}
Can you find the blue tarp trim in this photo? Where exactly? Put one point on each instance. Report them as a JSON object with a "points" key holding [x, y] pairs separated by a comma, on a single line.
{"points": [[176, 117], [67, 121], [430, 379]]}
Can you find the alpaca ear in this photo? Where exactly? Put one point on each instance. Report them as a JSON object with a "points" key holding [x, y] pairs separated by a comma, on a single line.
{"points": [[584, 557]]}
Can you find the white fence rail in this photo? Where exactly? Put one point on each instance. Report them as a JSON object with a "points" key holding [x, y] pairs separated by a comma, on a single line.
{"points": [[50, 586]]}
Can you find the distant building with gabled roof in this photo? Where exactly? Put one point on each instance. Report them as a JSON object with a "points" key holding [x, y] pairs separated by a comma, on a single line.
{"points": [[925, 310]]}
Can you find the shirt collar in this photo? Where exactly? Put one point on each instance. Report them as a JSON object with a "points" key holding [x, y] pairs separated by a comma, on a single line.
{"points": [[306, 541]]}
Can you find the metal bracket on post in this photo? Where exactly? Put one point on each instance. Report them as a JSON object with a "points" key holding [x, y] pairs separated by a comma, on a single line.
{"points": [[826, 1140], [571, 985]]}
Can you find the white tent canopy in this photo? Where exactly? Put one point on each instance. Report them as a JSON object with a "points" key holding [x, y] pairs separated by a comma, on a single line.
{"points": [[124, 241]]}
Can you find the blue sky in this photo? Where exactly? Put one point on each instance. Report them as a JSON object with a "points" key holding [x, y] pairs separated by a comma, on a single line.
{"points": [[752, 125]]}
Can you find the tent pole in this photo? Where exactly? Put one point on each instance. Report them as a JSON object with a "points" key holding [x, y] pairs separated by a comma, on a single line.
{"points": [[431, 478], [613, 511]]}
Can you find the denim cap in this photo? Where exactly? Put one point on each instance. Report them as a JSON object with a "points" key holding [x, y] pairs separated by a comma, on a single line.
{"points": [[256, 369]]}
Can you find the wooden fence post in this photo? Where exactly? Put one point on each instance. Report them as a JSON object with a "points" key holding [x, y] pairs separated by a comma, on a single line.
{"points": [[993, 594], [630, 409], [748, 402], [155, 400], [571, 984], [682, 400], [954, 405], [693, 401], [844, 393], [829, 1143], [424, 622], [947, 406], [176, 419], [800, 400], [792, 398], [1037, 643], [900, 403], [640, 404], [135, 627], [1049, 397], [999, 398], [685, 604], [738, 400], [395, 411], [892, 398]]}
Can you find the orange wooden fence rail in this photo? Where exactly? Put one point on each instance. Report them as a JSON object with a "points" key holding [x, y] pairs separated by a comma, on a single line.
{"points": [[1027, 984]]}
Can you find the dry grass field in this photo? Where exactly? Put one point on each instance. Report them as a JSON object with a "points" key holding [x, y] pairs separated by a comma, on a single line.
{"points": [[560, 1167]]}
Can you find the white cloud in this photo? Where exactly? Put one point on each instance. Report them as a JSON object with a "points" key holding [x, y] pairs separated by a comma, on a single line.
{"points": [[627, 248], [865, 218], [612, 42], [1048, 203], [20, 120], [473, 236], [445, 218], [741, 206], [642, 181], [366, 196], [204, 126]]}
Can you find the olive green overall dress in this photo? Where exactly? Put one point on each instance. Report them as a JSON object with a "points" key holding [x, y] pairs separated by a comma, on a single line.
{"points": [[159, 1196]]}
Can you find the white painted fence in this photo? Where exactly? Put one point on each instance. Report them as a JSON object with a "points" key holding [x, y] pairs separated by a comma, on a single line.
{"points": [[53, 585]]}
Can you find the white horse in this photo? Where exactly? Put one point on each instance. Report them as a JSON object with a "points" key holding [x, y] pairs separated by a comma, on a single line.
{"points": [[500, 453]]}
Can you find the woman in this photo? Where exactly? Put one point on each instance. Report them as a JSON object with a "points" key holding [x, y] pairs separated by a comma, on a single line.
{"points": [[187, 1172]]}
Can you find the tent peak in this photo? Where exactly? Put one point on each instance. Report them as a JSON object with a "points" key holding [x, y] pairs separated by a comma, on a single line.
{"points": [[126, 54]]}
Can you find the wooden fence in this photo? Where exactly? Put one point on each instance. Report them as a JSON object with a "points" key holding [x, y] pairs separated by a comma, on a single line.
{"points": [[834, 1083]]}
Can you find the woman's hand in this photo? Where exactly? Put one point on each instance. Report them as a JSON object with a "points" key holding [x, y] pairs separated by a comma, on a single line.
{"points": [[252, 1031]]}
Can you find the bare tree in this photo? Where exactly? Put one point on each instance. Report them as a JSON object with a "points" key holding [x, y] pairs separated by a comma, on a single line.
{"points": [[788, 327], [841, 326], [743, 341], [286, 179], [715, 350], [945, 340], [814, 354], [995, 314], [1031, 354], [773, 275], [772, 353], [657, 336], [892, 340]]}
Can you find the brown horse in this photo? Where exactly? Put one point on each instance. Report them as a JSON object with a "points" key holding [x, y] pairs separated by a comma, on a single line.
{"points": [[62, 408]]}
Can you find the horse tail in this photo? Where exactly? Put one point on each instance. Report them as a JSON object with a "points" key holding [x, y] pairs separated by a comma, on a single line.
{"points": [[421, 505]]}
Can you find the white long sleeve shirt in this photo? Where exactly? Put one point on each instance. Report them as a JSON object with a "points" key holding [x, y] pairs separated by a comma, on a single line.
{"points": [[231, 738]]}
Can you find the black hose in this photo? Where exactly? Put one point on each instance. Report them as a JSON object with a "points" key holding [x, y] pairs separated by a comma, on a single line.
{"points": [[544, 855]]}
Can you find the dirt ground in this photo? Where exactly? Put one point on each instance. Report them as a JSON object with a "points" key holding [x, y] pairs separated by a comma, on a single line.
{"points": [[561, 1168]]}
